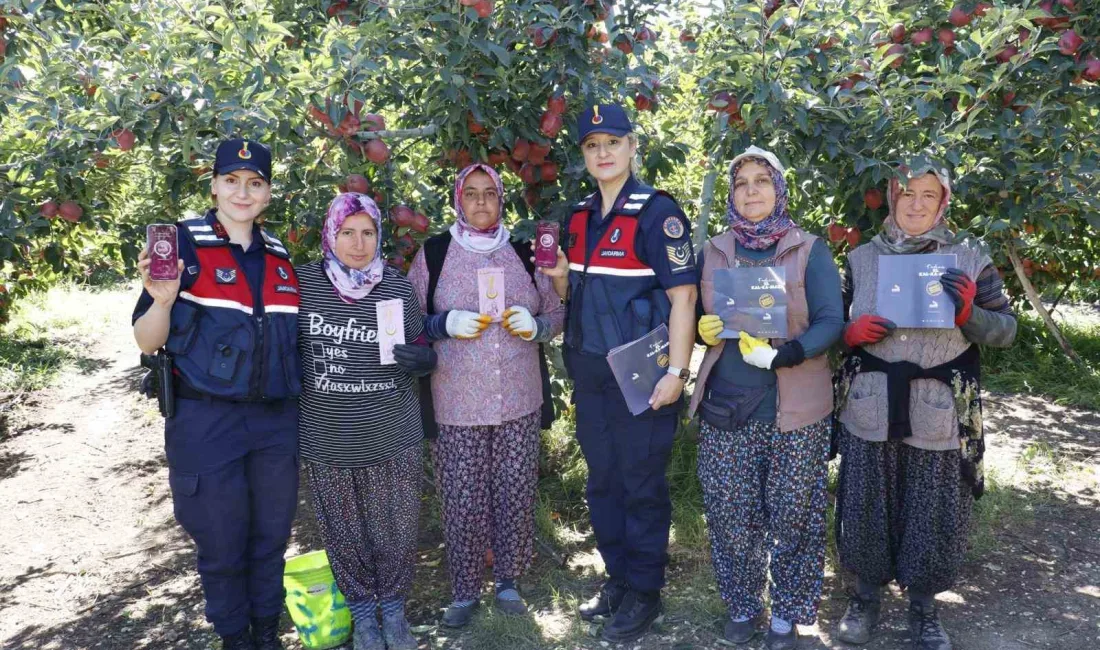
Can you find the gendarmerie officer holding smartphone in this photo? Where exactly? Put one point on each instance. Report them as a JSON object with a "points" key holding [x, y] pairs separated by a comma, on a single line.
{"points": [[628, 266], [230, 324]]}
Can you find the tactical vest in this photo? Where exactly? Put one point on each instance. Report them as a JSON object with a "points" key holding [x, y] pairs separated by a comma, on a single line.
{"points": [[221, 346], [614, 297]]}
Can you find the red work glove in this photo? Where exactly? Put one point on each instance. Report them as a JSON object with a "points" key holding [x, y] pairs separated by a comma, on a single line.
{"points": [[962, 290], [867, 329]]}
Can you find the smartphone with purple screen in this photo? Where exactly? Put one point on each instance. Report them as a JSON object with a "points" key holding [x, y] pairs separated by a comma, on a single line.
{"points": [[546, 244], [163, 251]]}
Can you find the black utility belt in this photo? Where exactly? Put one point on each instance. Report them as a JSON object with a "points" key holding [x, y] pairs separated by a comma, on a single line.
{"points": [[183, 391]]}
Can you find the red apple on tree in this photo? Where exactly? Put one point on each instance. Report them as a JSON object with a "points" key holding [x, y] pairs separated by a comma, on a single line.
{"points": [[643, 103], [48, 209], [1092, 69], [498, 157], [521, 149], [550, 124], [538, 153], [946, 37], [836, 232], [981, 8], [419, 223], [484, 8], [530, 173], [467, 3], [124, 138], [623, 44], [645, 34], [373, 122], [1069, 42], [921, 36], [1005, 55], [402, 215], [853, 237], [70, 211], [958, 17], [357, 183], [556, 104], [349, 125], [897, 33], [378, 152], [549, 172], [872, 198], [897, 49], [473, 126]]}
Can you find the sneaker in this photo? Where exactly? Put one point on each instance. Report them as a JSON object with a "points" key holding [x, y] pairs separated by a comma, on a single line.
{"points": [[925, 628], [636, 613], [606, 602], [782, 641], [395, 629], [739, 632], [265, 633], [859, 619], [459, 615], [510, 602], [368, 637], [240, 641]]}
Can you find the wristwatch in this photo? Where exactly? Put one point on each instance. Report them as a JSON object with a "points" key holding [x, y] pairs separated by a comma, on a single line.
{"points": [[682, 373]]}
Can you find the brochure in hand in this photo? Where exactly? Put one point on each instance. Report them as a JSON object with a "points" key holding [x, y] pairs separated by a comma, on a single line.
{"points": [[752, 299], [909, 290], [639, 365]]}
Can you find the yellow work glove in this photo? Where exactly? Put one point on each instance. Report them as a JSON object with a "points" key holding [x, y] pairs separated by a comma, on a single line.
{"points": [[710, 326], [756, 352]]}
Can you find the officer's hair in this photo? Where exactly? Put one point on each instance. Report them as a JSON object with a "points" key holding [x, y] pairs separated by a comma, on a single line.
{"points": [[636, 159]]}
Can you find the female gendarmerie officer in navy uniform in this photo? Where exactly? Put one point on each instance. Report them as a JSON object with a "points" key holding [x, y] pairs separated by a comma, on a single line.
{"points": [[230, 323], [628, 266]]}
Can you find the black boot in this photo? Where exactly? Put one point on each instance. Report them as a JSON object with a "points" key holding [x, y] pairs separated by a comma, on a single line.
{"points": [[636, 613], [240, 641], [606, 602], [265, 633], [925, 628]]}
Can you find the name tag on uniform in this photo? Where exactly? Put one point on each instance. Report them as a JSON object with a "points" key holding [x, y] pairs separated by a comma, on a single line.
{"points": [[391, 328]]}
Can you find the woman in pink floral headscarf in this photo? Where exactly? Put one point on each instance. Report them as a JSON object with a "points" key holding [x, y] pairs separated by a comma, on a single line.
{"points": [[360, 430], [489, 402]]}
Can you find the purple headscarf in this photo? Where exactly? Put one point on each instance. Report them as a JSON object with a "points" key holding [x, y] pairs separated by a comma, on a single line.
{"points": [[480, 240], [766, 232], [351, 284]]}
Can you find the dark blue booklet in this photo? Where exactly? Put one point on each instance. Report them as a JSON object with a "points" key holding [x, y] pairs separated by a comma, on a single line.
{"points": [[639, 365], [752, 299], [909, 290]]}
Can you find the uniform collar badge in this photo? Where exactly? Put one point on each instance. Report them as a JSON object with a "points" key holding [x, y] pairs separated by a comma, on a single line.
{"points": [[226, 276]]}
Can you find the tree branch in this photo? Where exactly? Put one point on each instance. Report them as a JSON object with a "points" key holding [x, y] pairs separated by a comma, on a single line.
{"points": [[1037, 304], [399, 134]]}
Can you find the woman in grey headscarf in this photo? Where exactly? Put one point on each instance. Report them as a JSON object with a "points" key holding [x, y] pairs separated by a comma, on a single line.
{"points": [[909, 407]]}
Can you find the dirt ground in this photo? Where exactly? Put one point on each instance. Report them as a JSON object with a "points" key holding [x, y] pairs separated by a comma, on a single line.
{"points": [[92, 558]]}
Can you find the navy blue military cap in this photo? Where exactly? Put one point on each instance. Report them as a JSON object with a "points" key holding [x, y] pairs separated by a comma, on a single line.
{"points": [[603, 118], [243, 154]]}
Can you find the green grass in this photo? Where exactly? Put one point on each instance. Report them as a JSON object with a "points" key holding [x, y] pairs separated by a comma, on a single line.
{"points": [[53, 330], [1036, 365]]}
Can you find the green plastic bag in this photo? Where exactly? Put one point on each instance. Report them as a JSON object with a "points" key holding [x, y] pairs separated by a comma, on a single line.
{"points": [[316, 605]]}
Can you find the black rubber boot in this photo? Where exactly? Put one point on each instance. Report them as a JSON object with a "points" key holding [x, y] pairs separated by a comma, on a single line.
{"points": [[265, 633], [777, 641], [636, 613], [740, 632], [606, 602], [240, 641], [925, 628]]}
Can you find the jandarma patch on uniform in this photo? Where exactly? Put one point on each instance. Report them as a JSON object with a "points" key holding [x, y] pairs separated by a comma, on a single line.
{"points": [[226, 276], [612, 252], [285, 288], [673, 227], [679, 256]]}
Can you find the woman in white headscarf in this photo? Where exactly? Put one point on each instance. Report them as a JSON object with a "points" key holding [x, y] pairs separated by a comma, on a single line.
{"points": [[490, 395]]}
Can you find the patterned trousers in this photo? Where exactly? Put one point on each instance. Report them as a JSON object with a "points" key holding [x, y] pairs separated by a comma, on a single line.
{"points": [[368, 518], [487, 477], [902, 513], [764, 494]]}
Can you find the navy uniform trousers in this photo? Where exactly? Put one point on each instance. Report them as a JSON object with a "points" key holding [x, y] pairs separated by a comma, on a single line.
{"points": [[233, 470], [627, 456]]}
